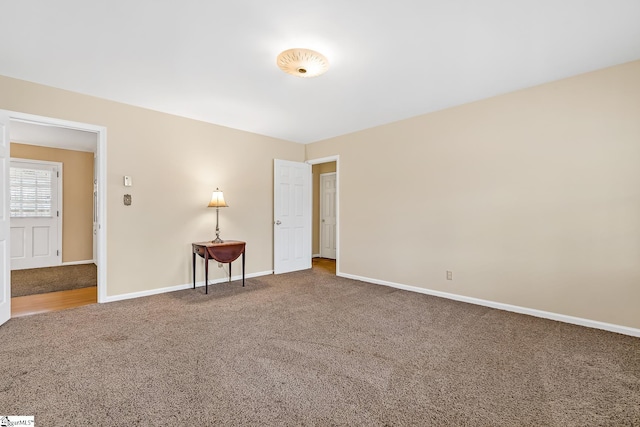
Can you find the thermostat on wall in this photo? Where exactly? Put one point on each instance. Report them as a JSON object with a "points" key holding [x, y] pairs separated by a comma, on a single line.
{"points": [[128, 182]]}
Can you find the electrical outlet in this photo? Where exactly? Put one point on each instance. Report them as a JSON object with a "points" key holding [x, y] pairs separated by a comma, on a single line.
{"points": [[449, 275]]}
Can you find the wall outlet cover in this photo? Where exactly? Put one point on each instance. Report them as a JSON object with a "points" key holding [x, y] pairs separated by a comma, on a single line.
{"points": [[127, 199]]}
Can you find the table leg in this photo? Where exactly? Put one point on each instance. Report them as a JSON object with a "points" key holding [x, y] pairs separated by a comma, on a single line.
{"points": [[243, 268], [206, 271], [230, 271], [194, 268]]}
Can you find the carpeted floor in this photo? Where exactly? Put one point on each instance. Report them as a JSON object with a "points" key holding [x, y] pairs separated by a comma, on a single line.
{"points": [[52, 279], [309, 348]]}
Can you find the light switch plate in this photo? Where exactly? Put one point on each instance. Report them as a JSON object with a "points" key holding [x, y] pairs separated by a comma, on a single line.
{"points": [[128, 182]]}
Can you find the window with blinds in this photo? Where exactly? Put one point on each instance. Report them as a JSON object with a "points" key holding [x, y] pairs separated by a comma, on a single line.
{"points": [[30, 192]]}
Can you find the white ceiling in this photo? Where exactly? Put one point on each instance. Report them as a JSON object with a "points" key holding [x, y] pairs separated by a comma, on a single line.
{"points": [[53, 136], [216, 60]]}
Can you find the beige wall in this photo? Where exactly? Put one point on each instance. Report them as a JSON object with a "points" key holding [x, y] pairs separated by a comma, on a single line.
{"points": [[531, 198], [317, 170], [77, 195], [175, 163]]}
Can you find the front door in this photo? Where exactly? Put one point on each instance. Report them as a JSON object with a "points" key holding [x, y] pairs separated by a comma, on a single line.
{"points": [[35, 214], [291, 216]]}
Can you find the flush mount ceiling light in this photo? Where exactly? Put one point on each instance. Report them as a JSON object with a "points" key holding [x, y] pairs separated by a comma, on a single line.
{"points": [[302, 63]]}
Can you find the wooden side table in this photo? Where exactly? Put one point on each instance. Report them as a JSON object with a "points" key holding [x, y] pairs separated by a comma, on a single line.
{"points": [[225, 252]]}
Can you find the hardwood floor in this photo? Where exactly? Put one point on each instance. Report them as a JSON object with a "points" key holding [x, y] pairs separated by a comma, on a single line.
{"points": [[53, 301], [326, 264]]}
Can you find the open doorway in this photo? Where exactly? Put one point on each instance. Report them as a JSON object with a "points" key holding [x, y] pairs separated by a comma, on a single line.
{"points": [[325, 211], [78, 276]]}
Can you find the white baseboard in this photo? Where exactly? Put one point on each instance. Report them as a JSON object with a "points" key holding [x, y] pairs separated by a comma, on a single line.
{"points": [[180, 287], [625, 330], [315, 256], [88, 261]]}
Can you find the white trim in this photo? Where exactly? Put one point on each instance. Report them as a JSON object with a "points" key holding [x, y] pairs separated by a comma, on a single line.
{"points": [[87, 261], [315, 256], [50, 144], [327, 159], [102, 214], [101, 152], [94, 213], [39, 162], [181, 287], [625, 330], [336, 159]]}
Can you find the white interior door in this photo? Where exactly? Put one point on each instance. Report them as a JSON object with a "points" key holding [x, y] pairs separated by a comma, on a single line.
{"points": [[328, 215], [291, 216], [35, 214], [5, 261]]}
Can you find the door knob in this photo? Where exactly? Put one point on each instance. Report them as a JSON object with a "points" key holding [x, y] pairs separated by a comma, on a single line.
{"points": [[278, 222]]}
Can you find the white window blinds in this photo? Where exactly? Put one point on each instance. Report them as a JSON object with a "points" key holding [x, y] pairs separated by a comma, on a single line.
{"points": [[30, 192]]}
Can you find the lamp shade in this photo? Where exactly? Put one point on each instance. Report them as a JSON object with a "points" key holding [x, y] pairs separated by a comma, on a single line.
{"points": [[217, 200]]}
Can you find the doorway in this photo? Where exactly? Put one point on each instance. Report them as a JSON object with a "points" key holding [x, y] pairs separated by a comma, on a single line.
{"points": [[32, 130], [325, 214], [300, 203]]}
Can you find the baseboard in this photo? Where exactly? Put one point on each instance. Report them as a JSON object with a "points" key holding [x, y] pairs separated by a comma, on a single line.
{"points": [[315, 256], [625, 330], [150, 292], [88, 261]]}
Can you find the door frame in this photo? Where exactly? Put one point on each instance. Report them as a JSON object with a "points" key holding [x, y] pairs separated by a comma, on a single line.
{"points": [[335, 158], [94, 212], [321, 205], [60, 207], [101, 162]]}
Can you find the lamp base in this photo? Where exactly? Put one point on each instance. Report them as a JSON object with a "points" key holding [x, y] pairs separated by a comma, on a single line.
{"points": [[218, 239]]}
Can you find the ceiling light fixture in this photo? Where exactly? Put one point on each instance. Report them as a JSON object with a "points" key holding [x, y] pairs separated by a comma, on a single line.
{"points": [[302, 62]]}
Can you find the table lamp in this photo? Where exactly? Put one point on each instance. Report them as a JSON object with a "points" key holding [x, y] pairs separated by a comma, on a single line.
{"points": [[217, 201]]}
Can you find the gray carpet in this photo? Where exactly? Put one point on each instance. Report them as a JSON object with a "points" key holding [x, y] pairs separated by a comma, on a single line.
{"points": [[52, 279], [308, 348]]}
